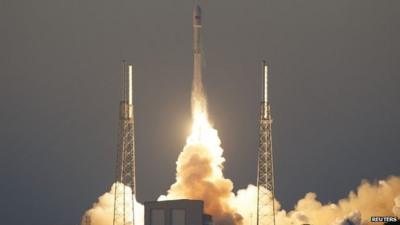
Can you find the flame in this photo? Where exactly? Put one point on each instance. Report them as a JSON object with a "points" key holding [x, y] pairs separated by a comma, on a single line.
{"points": [[202, 132]]}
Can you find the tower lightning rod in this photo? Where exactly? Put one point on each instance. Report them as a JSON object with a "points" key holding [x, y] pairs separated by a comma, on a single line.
{"points": [[130, 85], [265, 77]]}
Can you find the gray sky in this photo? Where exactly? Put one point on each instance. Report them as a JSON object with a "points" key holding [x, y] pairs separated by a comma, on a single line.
{"points": [[334, 89]]}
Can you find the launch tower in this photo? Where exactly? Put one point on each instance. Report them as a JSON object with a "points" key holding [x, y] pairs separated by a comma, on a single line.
{"points": [[265, 176], [125, 185]]}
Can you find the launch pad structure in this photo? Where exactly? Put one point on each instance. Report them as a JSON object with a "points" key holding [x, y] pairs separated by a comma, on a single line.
{"points": [[265, 172], [125, 185]]}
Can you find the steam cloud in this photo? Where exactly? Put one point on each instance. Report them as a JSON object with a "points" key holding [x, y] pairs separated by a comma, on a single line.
{"points": [[199, 176], [370, 199], [102, 212]]}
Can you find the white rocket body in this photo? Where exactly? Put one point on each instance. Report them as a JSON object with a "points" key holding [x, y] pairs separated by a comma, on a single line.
{"points": [[196, 42], [198, 97], [196, 29]]}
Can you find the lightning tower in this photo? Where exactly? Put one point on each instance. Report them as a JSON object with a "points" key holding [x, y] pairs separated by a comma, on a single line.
{"points": [[265, 176], [125, 185]]}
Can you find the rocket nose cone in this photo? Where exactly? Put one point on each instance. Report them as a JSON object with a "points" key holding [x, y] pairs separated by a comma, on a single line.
{"points": [[198, 10], [197, 14]]}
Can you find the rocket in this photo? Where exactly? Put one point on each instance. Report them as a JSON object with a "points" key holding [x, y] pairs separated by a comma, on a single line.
{"points": [[198, 98], [197, 47]]}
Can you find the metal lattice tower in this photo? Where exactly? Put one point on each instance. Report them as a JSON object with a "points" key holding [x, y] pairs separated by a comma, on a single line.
{"points": [[265, 176], [125, 185]]}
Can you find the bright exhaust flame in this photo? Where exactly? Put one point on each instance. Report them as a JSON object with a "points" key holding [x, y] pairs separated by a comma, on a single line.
{"points": [[202, 132]]}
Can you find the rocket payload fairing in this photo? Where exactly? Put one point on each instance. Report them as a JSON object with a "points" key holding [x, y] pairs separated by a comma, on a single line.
{"points": [[196, 29], [196, 43]]}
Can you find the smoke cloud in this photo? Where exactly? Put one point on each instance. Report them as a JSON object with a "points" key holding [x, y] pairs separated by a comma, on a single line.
{"points": [[102, 212], [199, 176], [370, 199]]}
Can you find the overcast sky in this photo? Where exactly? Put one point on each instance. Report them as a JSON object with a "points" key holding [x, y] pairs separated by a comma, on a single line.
{"points": [[334, 91]]}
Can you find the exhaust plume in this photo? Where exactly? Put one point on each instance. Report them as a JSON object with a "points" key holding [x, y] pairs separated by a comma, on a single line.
{"points": [[198, 99], [199, 166]]}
